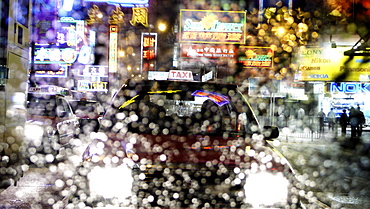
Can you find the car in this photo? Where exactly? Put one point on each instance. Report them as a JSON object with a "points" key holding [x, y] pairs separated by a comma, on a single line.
{"points": [[50, 125], [184, 144], [89, 113]]}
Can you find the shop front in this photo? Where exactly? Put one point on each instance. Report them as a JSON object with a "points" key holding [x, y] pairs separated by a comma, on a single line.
{"points": [[345, 80], [344, 95]]}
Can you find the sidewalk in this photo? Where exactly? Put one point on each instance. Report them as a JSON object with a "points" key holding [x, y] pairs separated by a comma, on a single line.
{"points": [[328, 136]]}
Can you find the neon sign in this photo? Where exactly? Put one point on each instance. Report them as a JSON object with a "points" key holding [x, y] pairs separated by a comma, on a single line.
{"points": [[113, 48], [256, 56], [84, 85], [139, 16], [350, 87], [148, 51], [219, 99], [209, 51], [217, 26], [123, 3], [48, 72], [205, 26], [94, 71]]}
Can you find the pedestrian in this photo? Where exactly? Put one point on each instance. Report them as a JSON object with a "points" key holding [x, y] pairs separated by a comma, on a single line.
{"points": [[361, 121], [301, 113], [343, 121], [321, 117], [354, 121], [331, 119]]}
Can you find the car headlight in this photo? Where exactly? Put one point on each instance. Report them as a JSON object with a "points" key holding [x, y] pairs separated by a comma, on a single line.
{"points": [[34, 133], [110, 182], [266, 189]]}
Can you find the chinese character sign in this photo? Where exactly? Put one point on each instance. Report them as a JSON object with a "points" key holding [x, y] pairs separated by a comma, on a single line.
{"points": [[139, 16], [148, 51]]}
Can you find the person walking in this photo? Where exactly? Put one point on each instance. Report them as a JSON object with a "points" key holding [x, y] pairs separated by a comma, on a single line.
{"points": [[343, 121], [361, 121], [331, 119], [354, 121], [301, 113], [321, 117]]}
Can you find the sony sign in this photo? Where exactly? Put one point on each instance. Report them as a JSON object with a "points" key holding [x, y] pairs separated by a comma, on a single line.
{"points": [[350, 87]]}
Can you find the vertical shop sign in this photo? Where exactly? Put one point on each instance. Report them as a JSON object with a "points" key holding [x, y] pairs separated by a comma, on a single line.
{"points": [[113, 39], [148, 51]]}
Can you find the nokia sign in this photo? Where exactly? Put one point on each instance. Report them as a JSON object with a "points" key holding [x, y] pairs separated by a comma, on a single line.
{"points": [[350, 87]]}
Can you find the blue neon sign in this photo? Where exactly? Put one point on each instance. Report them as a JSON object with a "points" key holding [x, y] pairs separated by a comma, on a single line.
{"points": [[350, 87], [123, 3]]}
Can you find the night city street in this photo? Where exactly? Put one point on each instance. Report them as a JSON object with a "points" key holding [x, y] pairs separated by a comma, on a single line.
{"points": [[184, 104]]}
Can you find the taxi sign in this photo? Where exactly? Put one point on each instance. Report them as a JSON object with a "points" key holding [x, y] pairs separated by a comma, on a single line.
{"points": [[180, 75], [50, 89]]}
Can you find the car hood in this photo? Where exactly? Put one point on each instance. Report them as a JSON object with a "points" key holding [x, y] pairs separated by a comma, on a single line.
{"points": [[41, 120], [172, 150]]}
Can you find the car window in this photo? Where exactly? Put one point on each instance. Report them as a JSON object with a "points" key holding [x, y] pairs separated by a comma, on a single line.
{"points": [[63, 110], [43, 105]]}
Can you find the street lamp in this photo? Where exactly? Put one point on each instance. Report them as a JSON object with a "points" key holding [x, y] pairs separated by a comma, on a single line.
{"points": [[162, 27]]}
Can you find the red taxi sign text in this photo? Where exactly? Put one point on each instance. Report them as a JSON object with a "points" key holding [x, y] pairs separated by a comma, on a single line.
{"points": [[180, 75]]}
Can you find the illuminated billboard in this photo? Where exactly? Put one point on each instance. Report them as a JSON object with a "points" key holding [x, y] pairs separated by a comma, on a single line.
{"points": [[258, 57], [66, 47], [208, 51], [330, 64], [210, 26]]}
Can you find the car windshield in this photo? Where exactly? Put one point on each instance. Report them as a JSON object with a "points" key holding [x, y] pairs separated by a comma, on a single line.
{"points": [[168, 107]]}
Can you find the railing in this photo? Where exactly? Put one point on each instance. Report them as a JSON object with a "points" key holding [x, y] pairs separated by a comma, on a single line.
{"points": [[306, 127]]}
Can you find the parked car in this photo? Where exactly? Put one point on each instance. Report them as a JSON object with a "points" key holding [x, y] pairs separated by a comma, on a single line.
{"points": [[183, 144], [89, 112], [51, 124]]}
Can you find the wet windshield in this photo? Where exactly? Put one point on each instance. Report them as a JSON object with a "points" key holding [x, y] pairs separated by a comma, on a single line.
{"points": [[179, 108]]}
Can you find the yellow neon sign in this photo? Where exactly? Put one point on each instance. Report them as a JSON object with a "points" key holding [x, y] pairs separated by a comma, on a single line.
{"points": [[166, 91], [128, 102]]}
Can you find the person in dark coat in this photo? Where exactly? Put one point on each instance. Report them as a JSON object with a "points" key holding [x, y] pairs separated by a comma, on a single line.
{"points": [[343, 121], [361, 121], [321, 116], [354, 121]]}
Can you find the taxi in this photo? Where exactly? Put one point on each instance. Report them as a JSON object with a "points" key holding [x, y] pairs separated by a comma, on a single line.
{"points": [[166, 143], [89, 113], [50, 123]]}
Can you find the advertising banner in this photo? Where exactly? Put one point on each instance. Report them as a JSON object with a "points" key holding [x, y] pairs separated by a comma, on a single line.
{"points": [[258, 57], [65, 49], [330, 64], [211, 26], [208, 51]]}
